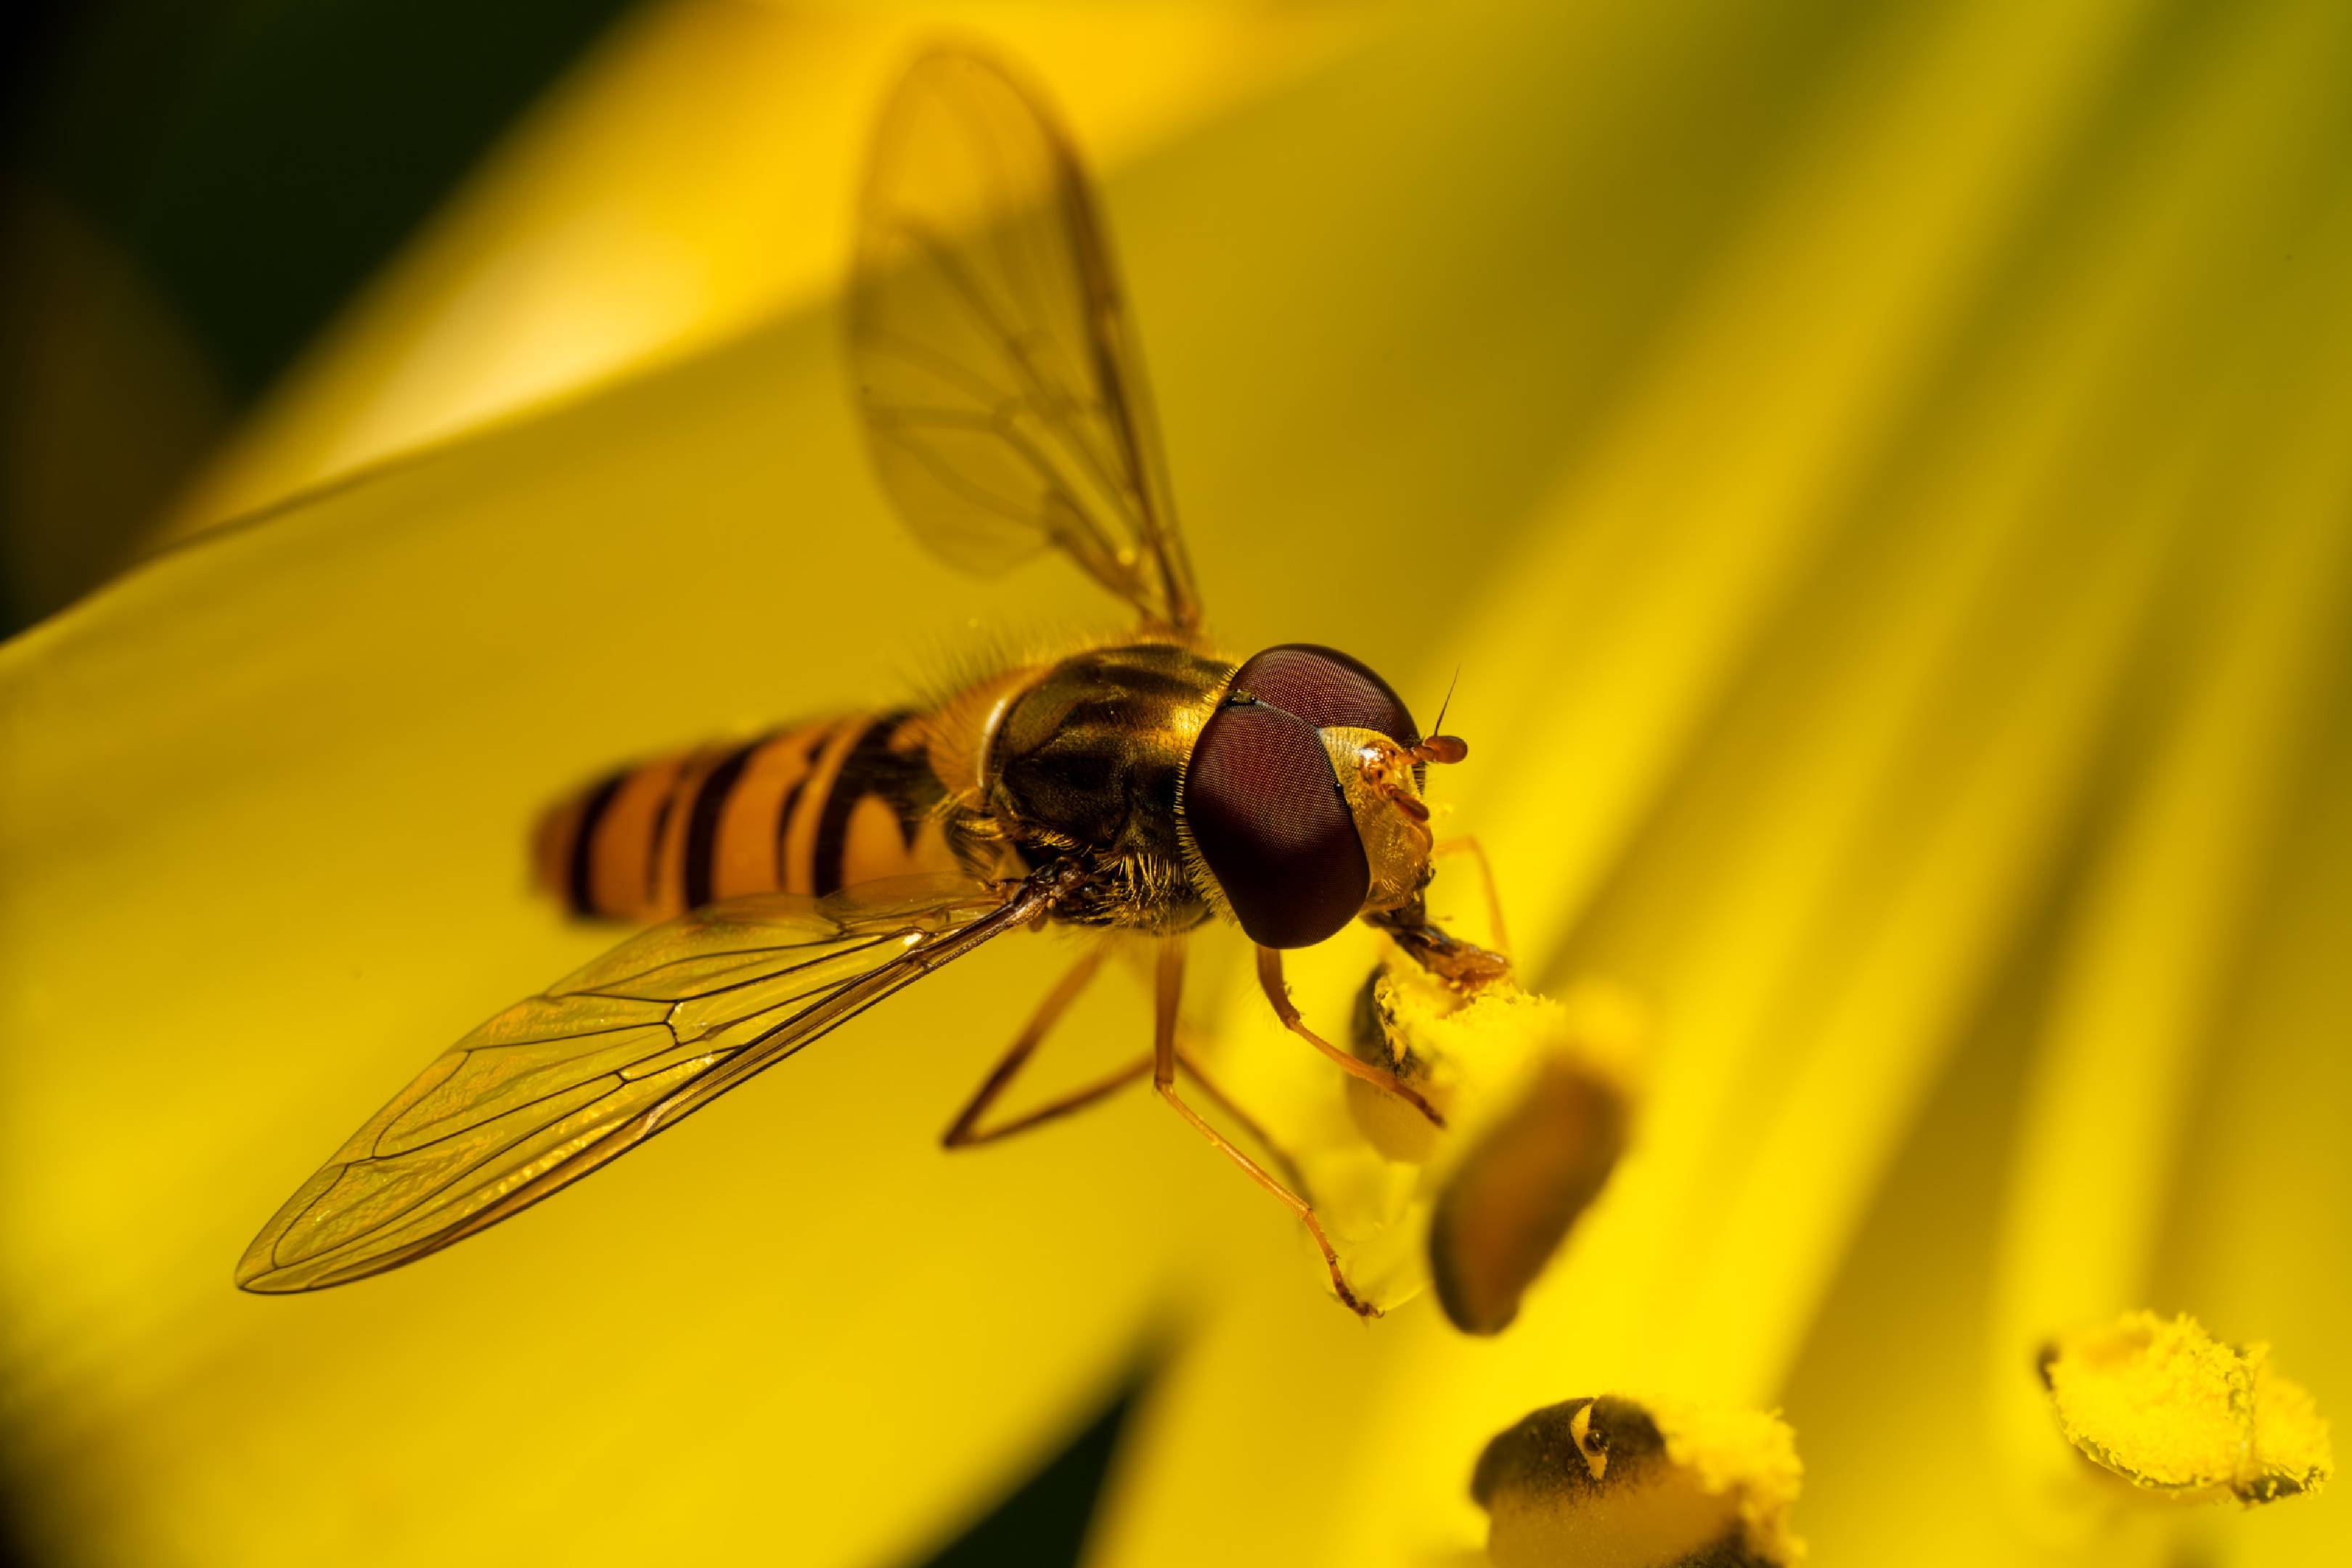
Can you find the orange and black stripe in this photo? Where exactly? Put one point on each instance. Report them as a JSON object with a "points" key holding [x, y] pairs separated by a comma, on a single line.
{"points": [[806, 810]]}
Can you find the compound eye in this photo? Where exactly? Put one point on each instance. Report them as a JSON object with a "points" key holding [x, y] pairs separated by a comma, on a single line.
{"points": [[1326, 687], [1267, 811]]}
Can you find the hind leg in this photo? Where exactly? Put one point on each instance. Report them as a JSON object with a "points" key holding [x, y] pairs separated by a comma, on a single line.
{"points": [[966, 1131]]}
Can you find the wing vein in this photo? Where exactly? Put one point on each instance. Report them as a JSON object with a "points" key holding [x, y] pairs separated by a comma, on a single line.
{"points": [[983, 277], [375, 1209]]}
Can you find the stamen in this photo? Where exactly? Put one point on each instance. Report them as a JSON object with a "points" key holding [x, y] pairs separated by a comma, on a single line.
{"points": [[1532, 1155], [1540, 1098], [1614, 1480], [2177, 1412]]}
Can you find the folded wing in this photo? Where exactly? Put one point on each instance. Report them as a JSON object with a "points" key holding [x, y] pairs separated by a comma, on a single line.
{"points": [[556, 1086]]}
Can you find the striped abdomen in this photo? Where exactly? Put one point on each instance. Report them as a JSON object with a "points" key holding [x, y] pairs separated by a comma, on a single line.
{"points": [[807, 810]]}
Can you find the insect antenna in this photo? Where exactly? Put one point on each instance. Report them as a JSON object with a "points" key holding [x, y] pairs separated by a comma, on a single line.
{"points": [[1441, 747], [1439, 728]]}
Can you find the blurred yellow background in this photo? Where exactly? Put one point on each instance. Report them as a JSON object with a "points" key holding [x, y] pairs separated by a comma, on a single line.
{"points": [[1880, 473]]}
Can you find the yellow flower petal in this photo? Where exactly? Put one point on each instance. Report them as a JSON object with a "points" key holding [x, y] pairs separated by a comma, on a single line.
{"points": [[2160, 941], [2255, 1230], [1807, 786], [1861, 615]]}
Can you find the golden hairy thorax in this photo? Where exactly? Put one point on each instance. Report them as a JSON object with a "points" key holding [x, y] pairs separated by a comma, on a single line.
{"points": [[1090, 758]]}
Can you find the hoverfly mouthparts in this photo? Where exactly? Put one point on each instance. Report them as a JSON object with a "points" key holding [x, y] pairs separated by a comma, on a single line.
{"points": [[1302, 794]]}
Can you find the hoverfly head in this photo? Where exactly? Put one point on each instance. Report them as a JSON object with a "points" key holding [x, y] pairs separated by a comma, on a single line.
{"points": [[1301, 804]]}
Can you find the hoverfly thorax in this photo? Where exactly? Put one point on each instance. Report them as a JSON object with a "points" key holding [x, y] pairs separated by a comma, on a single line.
{"points": [[1084, 759], [1301, 805]]}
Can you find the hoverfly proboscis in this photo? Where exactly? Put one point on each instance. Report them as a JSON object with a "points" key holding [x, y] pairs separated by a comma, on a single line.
{"points": [[1143, 788]]}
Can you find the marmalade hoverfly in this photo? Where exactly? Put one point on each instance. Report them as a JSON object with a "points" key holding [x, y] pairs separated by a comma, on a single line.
{"points": [[1143, 787]]}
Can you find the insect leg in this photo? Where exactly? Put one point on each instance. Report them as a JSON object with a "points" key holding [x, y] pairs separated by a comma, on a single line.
{"points": [[966, 1131], [1269, 978], [1168, 994], [1249, 1124], [1469, 845]]}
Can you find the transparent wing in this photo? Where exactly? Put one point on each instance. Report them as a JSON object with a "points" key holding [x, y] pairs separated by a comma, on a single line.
{"points": [[554, 1087], [1003, 394]]}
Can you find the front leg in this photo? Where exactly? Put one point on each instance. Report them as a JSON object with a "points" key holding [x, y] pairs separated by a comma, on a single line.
{"points": [[1269, 979], [1468, 845]]}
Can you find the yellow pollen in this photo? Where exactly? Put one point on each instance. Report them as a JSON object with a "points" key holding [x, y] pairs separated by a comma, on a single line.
{"points": [[2173, 1410]]}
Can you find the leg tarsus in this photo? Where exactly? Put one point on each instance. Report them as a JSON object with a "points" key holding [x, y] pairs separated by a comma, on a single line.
{"points": [[1290, 1200]]}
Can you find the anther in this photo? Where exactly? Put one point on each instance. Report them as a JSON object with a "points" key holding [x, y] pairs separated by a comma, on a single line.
{"points": [[1660, 1486], [2181, 1416]]}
